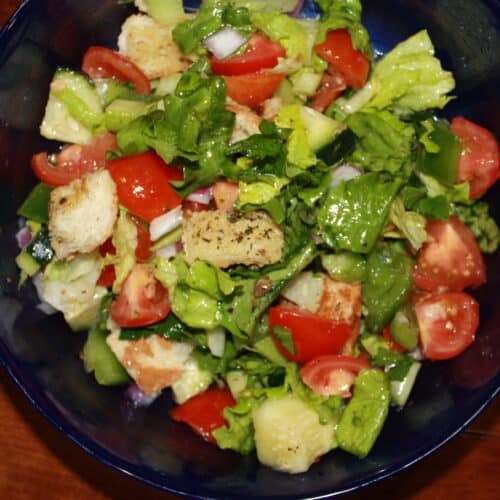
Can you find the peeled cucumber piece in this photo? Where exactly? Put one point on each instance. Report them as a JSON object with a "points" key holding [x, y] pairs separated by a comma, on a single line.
{"points": [[289, 436]]}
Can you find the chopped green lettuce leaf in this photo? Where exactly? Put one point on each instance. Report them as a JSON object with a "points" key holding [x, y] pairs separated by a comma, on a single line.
{"points": [[300, 152], [388, 284], [410, 223], [354, 213], [383, 141], [406, 80]]}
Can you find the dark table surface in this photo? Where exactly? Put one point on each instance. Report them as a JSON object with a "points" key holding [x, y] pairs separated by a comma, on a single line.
{"points": [[39, 462]]}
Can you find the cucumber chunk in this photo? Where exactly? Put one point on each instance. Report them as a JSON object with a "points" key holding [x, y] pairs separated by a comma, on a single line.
{"points": [[99, 358]]}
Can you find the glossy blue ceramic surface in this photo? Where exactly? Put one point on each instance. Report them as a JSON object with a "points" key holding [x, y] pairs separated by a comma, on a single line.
{"points": [[41, 354]]}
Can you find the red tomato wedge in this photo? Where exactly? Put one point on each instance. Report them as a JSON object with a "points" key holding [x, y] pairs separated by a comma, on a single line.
{"points": [[312, 335], [143, 184], [451, 259], [253, 89], [479, 161], [330, 88], [448, 322], [337, 49], [142, 299], [74, 160], [332, 375], [261, 53], [101, 62], [205, 412]]}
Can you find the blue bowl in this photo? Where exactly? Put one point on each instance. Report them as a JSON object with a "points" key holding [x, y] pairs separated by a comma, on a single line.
{"points": [[42, 355]]}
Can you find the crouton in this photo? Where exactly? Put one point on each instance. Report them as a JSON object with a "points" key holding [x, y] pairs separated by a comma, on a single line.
{"points": [[151, 47], [153, 362], [227, 238], [342, 302], [82, 214]]}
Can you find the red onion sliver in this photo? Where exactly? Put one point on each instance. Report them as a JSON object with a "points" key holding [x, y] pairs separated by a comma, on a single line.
{"points": [[138, 396], [343, 173], [224, 42], [165, 223], [23, 237], [202, 195], [168, 251], [296, 11]]}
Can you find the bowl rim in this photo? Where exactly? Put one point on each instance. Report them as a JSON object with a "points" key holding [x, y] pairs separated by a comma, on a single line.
{"points": [[35, 394]]}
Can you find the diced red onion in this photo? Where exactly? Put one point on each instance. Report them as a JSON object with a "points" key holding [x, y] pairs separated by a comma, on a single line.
{"points": [[202, 195], [168, 251], [224, 42], [343, 173], [138, 397], [23, 237], [179, 246], [165, 223], [296, 11]]}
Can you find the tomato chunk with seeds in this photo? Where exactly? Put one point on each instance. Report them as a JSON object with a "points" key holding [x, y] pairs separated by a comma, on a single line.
{"points": [[479, 161], [450, 259], [142, 300], [332, 375], [447, 322]]}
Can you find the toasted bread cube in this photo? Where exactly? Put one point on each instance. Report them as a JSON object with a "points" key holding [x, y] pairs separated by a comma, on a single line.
{"points": [[228, 238], [82, 214], [151, 47], [153, 362]]}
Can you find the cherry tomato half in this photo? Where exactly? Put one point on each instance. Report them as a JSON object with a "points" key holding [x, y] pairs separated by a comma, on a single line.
{"points": [[447, 322], [142, 299], [451, 259], [74, 160], [479, 161], [331, 375], [101, 62]]}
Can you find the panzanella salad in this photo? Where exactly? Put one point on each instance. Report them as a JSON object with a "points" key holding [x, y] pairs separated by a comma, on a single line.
{"points": [[253, 212]]}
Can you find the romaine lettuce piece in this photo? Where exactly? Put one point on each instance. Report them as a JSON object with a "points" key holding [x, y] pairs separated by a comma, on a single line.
{"points": [[353, 214], [383, 141], [365, 413], [406, 80], [388, 284]]}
